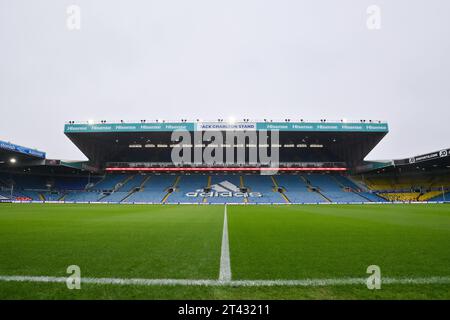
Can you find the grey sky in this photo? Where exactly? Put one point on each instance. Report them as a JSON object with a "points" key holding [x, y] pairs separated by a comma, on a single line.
{"points": [[214, 59]]}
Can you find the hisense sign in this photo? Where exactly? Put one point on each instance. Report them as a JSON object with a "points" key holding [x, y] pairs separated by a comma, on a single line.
{"points": [[227, 126]]}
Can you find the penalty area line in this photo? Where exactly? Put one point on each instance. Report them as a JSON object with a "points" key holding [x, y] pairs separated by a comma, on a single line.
{"points": [[230, 283]]}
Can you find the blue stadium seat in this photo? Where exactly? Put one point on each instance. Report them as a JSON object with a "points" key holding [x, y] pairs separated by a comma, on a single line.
{"points": [[52, 196], [297, 191], [134, 182], [109, 182], [154, 190], [83, 196], [188, 183], [333, 187], [225, 183], [373, 197], [264, 185], [442, 197], [116, 196], [72, 183]]}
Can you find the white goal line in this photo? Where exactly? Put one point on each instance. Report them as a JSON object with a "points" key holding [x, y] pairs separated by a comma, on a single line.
{"points": [[228, 283]]}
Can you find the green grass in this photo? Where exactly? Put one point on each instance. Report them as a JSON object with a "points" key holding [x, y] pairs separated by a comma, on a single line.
{"points": [[297, 242], [183, 242], [111, 240]]}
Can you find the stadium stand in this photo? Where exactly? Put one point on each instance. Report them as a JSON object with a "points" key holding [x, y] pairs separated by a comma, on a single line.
{"points": [[295, 189], [23, 181], [33, 195], [372, 197], [116, 196], [135, 181], [413, 183], [224, 183], [154, 190], [188, 183], [83, 196], [263, 185], [429, 195], [72, 183], [15, 196], [334, 188], [315, 165], [442, 197], [402, 196], [199, 188], [111, 182], [52, 195]]}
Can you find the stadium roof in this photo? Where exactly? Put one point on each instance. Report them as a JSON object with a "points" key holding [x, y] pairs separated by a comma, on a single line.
{"points": [[437, 160], [302, 141], [11, 154], [220, 125], [15, 158]]}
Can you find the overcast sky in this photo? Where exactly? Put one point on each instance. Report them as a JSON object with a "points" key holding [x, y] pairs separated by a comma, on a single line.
{"points": [[210, 59]]}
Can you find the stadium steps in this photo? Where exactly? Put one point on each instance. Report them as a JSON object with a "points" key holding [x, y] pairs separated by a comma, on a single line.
{"points": [[165, 197], [309, 186], [123, 183], [305, 180], [285, 198], [208, 185], [429, 195], [362, 196], [141, 186], [174, 185], [128, 195], [381, 196], [63, 196], [443, 197], [274, 181], [242, 185], [99, 181], [241, 182], [359, 184], [337, 182], [144, 182], [103, 197], [323, 196], [177, 181], [41, 196]]}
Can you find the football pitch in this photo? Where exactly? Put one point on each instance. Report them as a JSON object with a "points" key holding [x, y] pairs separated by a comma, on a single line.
{"points": [[218, 252]]}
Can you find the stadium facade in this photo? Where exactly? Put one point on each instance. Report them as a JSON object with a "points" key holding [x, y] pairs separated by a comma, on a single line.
{"points": [[209, 162]]}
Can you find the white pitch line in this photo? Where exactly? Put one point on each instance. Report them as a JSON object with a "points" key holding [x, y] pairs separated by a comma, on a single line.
{"points": [[225, 265], [231, 283]]}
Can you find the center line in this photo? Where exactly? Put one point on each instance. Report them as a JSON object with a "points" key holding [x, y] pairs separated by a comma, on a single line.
{"points": [[225, 266]]}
